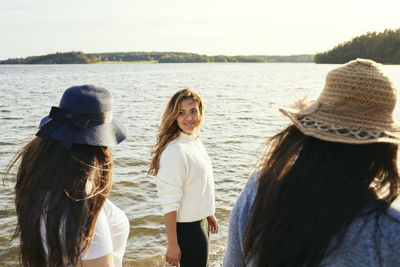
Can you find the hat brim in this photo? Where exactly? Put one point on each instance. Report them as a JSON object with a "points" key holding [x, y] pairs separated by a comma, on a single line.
{"points": [[106, 134], [309, 122]]}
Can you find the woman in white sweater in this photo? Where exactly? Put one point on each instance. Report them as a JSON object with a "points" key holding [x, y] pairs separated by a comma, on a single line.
{"points": [[185, 181]]}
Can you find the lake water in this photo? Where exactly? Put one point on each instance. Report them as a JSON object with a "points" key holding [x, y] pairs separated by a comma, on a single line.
{"points": [[241, 112]]}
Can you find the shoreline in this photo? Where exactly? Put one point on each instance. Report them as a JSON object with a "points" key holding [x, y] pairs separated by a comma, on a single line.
{"points": [[119, 62]]}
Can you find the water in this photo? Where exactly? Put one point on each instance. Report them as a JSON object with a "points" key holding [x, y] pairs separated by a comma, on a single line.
{"points": [[242, 102]]}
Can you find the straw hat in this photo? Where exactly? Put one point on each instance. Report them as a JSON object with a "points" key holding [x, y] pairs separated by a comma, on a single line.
{"points": [[84, 116], [356, 107]]}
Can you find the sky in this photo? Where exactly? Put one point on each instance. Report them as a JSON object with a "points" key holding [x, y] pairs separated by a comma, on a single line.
{"points": [[210, 27]]}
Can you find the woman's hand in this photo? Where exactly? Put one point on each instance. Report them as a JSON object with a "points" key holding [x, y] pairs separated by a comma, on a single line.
{"points": [[212, 224], [173, 254]]}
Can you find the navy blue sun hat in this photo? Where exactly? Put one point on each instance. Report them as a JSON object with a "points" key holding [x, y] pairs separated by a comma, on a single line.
{"points": [[83, 117]]}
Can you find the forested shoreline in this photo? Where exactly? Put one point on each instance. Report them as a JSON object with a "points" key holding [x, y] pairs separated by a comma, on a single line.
{"points": [[149, 57], [382, 47], [57, 58]]}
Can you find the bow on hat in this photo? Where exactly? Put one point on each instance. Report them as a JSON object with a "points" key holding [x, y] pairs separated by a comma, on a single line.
{"points": [[77, 123]]}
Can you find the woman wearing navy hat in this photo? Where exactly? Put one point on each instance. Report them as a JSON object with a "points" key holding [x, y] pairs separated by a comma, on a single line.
{"points": [[63, 182]]}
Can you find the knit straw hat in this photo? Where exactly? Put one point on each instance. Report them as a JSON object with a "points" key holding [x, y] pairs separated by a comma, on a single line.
{"points": [[356, 107]]}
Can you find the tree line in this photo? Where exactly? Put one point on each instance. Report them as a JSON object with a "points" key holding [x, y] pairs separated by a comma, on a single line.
{"points": [[305, 58], [160, 57], [383, 47], [57, 58], [173, 57]]}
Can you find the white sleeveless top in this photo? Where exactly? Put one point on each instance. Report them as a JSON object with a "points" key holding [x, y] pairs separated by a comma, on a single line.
{"points": [[110, 234]]}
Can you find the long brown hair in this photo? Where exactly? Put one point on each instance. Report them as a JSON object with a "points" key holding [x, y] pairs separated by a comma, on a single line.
{"points": [[66, 191], [310, 191], [169, 129]]}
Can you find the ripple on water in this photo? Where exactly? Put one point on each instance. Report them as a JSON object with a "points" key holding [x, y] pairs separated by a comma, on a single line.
{"points": [[130, 162], [11, 118], [6, 144], [7, 213]]}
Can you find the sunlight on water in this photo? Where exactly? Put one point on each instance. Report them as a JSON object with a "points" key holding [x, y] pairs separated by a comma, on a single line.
{"points": [[242, 102]]}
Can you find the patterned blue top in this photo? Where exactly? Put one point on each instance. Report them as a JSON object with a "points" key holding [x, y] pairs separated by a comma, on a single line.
{"points": [[359, 248]]}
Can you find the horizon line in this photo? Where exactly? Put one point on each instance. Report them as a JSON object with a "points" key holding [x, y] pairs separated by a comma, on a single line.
{"points": [[288, 55]]}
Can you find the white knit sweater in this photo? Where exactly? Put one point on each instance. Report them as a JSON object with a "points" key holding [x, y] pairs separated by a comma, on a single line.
{"points": [[185, 180]]}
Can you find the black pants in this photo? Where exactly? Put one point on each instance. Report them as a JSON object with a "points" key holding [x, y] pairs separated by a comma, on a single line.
{"points": [[193, 242]]}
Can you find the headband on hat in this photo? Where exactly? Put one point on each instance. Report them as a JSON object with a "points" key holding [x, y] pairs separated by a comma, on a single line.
{"points": [[356, 106], [77, 122], [84, 116]]}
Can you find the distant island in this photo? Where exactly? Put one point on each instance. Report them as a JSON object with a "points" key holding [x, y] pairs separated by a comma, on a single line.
{"points": [[382, 47], [149, 57]]}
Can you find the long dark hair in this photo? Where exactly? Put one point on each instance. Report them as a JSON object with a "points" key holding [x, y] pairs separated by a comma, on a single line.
{"points": [[63, 189], [310, 191]]}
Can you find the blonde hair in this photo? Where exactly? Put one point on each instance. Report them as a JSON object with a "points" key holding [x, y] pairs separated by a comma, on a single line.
{"points": [[169, 129]]}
